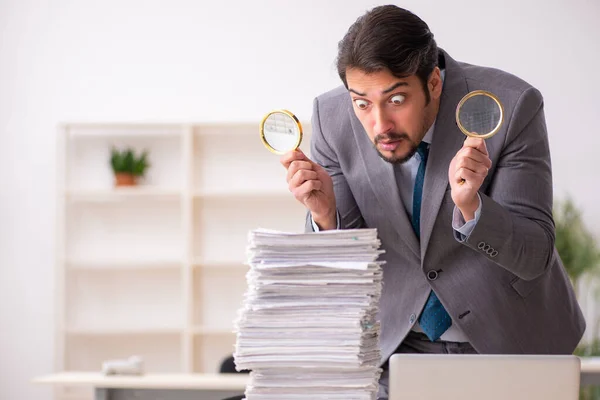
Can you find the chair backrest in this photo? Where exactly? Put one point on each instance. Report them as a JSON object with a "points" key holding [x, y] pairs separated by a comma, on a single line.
{"points": [[489, 377], [228, 366]]}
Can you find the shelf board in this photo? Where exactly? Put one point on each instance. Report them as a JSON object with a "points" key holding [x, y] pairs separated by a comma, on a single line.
{"points": [[116, 194], [125, 129], [77, 396], [260, 193], [123, 264], [158, 193], [132, 331], [225, 265], [81, 393], [242, 128], [167, 381], [206, 331]]}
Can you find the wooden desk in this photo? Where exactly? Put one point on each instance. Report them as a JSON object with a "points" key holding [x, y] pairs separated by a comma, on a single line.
{"points": [[590, 371], [153, 386], [200, 386]]}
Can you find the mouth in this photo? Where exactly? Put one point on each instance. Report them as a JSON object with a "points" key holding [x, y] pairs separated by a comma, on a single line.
{"points": [[390, 145], [390, 141]]}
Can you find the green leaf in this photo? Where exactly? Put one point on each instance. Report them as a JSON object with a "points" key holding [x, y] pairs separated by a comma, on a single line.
{"points": [[575, 244], [125, 161]]}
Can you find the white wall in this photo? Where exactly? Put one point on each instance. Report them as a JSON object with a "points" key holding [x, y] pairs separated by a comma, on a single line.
{"points": [[185, 60]]}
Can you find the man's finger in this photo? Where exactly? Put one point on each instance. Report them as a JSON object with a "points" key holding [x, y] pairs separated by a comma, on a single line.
{"points": [[304, 190], [470, 164], [302, 176], [466, 174], [296, 166], [290, 156], [475, 155], [476, 143]]}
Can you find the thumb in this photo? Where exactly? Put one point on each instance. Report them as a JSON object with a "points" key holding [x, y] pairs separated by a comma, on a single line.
{"points": [[482, 147]]}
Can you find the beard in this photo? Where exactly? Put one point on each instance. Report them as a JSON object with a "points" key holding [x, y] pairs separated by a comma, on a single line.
{"points": [[391, 137], [428, 118]]}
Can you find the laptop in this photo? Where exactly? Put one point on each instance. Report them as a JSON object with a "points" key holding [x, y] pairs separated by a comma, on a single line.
{"points": [[483, 377]]}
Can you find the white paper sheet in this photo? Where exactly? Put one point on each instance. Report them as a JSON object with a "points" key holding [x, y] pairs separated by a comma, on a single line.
{"points": [[308, 326]]}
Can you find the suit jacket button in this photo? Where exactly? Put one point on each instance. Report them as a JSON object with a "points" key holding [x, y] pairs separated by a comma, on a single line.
{"points": [[432, 275], [481, 245], [412, 318]]}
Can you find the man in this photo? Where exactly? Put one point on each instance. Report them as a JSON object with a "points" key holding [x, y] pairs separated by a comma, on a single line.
{"points": [[471, 266]]}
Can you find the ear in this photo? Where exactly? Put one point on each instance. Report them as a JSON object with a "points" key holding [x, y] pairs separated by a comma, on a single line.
{"points": [[434, 84]]}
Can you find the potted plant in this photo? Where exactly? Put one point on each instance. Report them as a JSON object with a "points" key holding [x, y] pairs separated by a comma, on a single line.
{"points": [[127, 167], [575, 243], [580, 255]]}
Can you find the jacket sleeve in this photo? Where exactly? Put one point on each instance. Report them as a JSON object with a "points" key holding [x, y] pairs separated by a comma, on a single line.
{"points": [[324, 155], [516, 227]]}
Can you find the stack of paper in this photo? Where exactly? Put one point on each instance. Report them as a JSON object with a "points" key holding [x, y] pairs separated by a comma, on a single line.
{"points": [[308, 328]]}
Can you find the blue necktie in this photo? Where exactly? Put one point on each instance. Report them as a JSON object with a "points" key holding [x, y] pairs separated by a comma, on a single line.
{"points": [[434, 319]]}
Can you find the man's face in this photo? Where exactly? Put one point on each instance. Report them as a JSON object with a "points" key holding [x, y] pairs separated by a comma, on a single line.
{"points": [[394, 111]]}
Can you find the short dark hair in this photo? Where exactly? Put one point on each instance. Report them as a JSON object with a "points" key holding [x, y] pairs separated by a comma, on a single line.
{"points": [[389, 37]]}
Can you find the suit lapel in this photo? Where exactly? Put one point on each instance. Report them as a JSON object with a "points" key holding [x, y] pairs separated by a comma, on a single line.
{"points": [[447, 140], [383, 182]]}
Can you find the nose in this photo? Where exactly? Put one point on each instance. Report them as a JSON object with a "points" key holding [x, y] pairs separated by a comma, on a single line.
{"points": [[381, 123]]}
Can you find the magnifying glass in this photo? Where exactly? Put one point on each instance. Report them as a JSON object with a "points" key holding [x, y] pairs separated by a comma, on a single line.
{"points": [[281, 131], [479, 114]]}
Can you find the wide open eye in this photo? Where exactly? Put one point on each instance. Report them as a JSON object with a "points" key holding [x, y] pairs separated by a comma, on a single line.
{"points": [[397, 99], [361, 104]]}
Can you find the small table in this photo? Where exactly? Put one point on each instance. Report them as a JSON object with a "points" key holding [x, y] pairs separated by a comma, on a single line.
{"points": [[153, 386]]}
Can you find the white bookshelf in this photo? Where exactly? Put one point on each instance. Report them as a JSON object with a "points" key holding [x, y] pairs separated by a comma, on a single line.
{"points": [[158, 270]]}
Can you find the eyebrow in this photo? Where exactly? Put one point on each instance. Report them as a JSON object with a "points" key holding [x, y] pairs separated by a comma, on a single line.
{"points": [[391, 88]]}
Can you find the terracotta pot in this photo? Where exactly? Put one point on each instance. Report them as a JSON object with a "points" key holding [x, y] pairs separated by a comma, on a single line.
{"points": [[124, 179]]}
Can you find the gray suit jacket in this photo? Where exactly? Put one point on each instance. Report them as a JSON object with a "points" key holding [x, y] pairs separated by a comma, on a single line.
{"points": [[517, 299]]}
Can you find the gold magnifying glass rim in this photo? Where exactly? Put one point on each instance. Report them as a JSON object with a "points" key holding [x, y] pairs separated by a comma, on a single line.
{"points": [[262, 131], [479, 93]]}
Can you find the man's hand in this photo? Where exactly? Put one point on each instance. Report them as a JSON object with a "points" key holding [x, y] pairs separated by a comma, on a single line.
{"points": [[470, 164], [311, 186]]}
